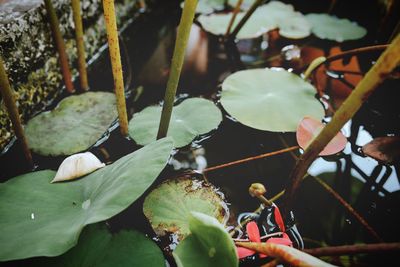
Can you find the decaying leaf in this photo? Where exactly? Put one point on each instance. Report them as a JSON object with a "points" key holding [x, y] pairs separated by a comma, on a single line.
{"points": [[385, 149], [76, 166]]}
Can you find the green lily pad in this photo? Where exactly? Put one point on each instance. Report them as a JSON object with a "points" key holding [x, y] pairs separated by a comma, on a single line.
{"points": [[269, 100], [98, 247], [189, 119], [43, 219], [73, 126], [208, 6], [207, 245], [329, 27], [295, 26], [169, 205]]}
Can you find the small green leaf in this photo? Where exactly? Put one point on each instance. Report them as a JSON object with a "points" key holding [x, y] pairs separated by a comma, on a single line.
{"points": [[269, 100], [329, 27], [43, 219], [169, 205], [189, 119], [207, 245], [73, 126]]}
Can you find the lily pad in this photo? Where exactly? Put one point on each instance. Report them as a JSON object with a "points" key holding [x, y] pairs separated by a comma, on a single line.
{"points": [[309, 128], [169, 205], [189, 119], [329, 27], [208, 6], [295, 26], [43, 219], [269, 99], [384, 149], [207, 245], [73, 126], [98, 247]]}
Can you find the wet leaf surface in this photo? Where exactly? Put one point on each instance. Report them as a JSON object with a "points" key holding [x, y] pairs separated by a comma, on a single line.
{"points": [[73, 126], [384, 149], [168, 206], [269, 100], [189, 119], [51, 216], [207, 245]]}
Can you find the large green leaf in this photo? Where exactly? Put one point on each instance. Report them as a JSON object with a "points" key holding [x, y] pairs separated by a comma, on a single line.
{"points": [[208, 245], [270, 100], [330, 27], [169, 205], [97, 247], [74, 125], [43, 219], [189, 119]]}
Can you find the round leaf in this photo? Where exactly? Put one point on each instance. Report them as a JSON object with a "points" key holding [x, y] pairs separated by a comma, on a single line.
{"points": [[295, 26], [43, 219], [330, 27], [169, 205], [269, 100], [73, 126], [309, 128], [189, 119], [208, 245]]}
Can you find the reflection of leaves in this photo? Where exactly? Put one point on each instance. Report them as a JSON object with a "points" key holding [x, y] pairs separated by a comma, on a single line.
{"points": [[51, 216], [385, 149]]}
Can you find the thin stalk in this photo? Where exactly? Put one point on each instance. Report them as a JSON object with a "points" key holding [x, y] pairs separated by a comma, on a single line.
{"points": [[383, 67], [60, 45], [176, 65], [12, 109], [246, 17], [115, 55], [313, 65], [266, 155], [233, 18], [353, 249], [76, 11]]}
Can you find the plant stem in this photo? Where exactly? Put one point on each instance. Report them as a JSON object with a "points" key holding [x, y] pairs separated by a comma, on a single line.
{"points": [[246, 17], [176, 65], [383, 67], [313, 65], [348, 207], [353, 249], [12, 109], [60, 45], [76, 11], [233, 18], [115, 55]]}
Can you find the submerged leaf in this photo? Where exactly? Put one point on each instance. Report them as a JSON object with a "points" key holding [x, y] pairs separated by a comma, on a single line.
{"points": [[309, 128], [384, 149], [51, 216], [330, 27], [189, 119], [73, 126], [207, 245], [76, 166], [269, 100], [169, 205], [97, 247]]}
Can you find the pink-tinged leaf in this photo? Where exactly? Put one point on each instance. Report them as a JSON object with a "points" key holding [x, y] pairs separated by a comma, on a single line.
{"points": [[309, 128], [244, 252], [285, 240], [278, 219], [385, 149], [253, 232]]}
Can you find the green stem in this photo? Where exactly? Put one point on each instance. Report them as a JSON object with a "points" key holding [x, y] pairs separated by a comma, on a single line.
{"points": [[382, 68], [233, 18], [115, 55], [313, 65], [60, 45], [76, 11], [12, 109], [176, 65]]}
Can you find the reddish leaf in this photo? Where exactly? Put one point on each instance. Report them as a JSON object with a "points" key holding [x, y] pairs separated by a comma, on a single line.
{"points": [[385, 149], [253, 232], [309, 128]]}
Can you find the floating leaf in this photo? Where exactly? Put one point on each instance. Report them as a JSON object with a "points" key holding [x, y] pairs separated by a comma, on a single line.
{"points": [[207, 245], [295, 26], [269, 100], [76, 166], [309, 128], [169, 205], [385, 149], [208, 6], [73, 126], [189, 119], [43, 219], [97, 247], [330, 27]]}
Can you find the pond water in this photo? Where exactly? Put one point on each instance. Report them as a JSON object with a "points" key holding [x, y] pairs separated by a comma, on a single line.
{"points": [[372, 188]]}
